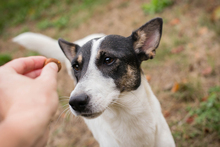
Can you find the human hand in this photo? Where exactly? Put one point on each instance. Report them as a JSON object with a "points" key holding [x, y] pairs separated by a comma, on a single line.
{"points": [[28, 97]]}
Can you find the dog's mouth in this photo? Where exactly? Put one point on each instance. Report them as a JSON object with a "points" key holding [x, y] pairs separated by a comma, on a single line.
{"points": [[86, 114], [90, 115]]}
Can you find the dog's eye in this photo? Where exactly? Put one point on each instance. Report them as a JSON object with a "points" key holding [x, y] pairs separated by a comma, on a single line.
{"points": [[109, 61], [76, 67]]}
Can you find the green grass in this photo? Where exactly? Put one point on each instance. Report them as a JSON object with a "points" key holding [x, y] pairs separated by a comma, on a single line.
{"points": [[156, 6], [207, 114], [204, 130], [49, 13], [4, 58], [21, 11]]}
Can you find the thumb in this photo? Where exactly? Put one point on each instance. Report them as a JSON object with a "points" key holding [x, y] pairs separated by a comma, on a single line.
{"points": [[49, 72]]}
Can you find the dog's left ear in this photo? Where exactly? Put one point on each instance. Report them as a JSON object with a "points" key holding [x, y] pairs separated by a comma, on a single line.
{"points": [[146, 39]]}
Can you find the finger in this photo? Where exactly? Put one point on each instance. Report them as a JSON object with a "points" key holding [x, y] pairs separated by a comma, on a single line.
{"points": [[27, 64], [49, 73], [33, 74]]}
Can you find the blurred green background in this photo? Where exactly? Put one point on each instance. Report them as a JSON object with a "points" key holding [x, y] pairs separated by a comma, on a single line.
{"points": [[184, 75]]}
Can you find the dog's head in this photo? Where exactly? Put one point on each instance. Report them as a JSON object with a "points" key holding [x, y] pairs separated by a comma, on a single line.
{"points": [[107, 66]]}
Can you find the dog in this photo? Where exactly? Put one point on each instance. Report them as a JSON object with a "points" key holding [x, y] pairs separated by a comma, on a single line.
{"points": [[112, 94]]}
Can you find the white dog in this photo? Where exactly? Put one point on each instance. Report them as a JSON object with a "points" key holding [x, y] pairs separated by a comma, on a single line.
{"points": [[111, 92]]}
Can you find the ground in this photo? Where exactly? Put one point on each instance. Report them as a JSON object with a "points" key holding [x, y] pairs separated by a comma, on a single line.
{"points": [[185, 67]]}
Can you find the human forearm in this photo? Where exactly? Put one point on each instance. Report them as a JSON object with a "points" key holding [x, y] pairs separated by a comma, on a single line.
{"points": [[11, 135], [24, 131]]}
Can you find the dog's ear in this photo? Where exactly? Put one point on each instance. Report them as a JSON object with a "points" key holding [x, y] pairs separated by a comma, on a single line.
{"points": [[146, 39], [68, 48]]}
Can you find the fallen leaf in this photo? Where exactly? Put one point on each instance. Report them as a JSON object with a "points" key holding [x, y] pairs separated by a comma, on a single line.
{"points": [[177, 49], [148, 77], [207, 71], [204, 98], [175, 87], [216, 14], [203, 30], [190, 119], [166, 113], [174, 21]]}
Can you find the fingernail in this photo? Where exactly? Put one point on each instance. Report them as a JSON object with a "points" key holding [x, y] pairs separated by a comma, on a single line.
{"points": [[54, 66]]}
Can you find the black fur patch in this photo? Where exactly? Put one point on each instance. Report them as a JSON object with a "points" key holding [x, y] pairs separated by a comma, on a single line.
{"points": [[85, 53], [126, 69]]}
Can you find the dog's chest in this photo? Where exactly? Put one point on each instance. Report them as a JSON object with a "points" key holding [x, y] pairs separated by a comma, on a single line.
{"points": [[123, 131]]}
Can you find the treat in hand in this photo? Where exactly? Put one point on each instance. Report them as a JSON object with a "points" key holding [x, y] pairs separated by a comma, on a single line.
{"points": [[55, 61]]}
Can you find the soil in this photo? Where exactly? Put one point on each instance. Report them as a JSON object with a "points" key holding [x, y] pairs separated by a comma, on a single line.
{"points": [[191, 49]]}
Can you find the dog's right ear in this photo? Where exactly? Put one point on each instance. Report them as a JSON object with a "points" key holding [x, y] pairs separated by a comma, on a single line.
{"points": [[68, 48]]}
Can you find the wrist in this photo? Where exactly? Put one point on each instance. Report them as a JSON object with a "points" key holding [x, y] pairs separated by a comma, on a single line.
{"points": [[23, 130], [11, 135]]}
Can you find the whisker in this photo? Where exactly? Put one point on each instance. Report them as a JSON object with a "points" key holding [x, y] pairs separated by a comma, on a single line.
{"points": [[77, 118], [61, 97], [61, 114], [68, 114], [118, 103], [108, 108], [65, 105], [134, 95], [138, 100], [64, 100], [65, 116]]}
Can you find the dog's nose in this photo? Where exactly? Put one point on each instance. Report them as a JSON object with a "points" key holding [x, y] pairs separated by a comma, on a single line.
{"points": [[79, 102]]}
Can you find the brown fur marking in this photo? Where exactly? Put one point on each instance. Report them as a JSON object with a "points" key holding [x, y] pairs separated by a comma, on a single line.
{"points": [[72, 51], [151, 54], [128, 80], [79, 59], [140, 42]]}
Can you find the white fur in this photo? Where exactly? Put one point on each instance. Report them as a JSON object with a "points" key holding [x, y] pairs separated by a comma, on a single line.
{"points": [[134, 119], [40, 43], [137, 113]]}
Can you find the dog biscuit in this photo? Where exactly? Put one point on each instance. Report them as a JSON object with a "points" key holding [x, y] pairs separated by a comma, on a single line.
{"points": [[55, 61]]}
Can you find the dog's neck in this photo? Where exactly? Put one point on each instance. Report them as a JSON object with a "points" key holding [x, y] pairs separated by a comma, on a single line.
{"points": [[129, 120]]}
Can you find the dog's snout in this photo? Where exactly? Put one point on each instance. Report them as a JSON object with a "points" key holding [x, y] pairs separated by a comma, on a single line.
{"points": [[79, 102]]}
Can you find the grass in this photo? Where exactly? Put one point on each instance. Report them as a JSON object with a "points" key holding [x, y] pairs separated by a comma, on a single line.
{"points": [[207, 114], [156, 6], [4, 58], [205, 20], [50, 13], [21, 11], [201, 124], [189, 91]]}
